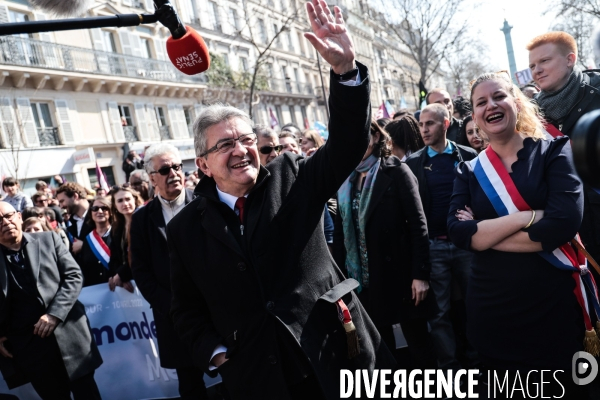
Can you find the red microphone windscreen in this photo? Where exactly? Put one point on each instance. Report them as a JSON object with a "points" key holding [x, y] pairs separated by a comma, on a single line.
{"points": [[189, 53]]}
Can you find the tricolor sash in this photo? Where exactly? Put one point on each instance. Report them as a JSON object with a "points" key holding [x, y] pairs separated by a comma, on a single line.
{"points": [[500, 189], [99, 248]]}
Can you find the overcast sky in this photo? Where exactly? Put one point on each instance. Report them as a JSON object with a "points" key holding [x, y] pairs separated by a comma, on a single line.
{"points": [[526, 18]]}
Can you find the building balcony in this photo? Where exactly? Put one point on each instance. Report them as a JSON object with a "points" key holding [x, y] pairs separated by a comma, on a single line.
{"points": [[165, 134], [289, 86], [130, 133], [19, 51], [48, 137]]}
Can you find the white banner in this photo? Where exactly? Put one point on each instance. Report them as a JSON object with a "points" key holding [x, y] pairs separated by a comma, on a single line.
{"points": [[524, 76], [124, 330]]}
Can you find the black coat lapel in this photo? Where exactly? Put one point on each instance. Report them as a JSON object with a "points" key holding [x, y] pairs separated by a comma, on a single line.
{"points": [[382, 183], [214, 223], [32, 251], [254, 213], [3, 273], [157, 216]]}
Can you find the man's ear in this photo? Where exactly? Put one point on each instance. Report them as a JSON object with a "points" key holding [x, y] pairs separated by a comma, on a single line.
{"points": [[446, 123], [201, 163], [571, 60]]}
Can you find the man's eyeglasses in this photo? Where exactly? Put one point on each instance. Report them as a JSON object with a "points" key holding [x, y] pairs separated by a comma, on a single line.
{"points": [[41, 201], [269, 149], [227, 145], [98, 208], [167, 169], [137, 183], [8, 216]]}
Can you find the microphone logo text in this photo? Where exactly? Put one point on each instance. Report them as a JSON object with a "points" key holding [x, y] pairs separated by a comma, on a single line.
{"points": [[188, 61]]}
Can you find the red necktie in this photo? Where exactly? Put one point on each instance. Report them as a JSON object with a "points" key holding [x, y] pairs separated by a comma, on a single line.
{"points": [[239, 204]]}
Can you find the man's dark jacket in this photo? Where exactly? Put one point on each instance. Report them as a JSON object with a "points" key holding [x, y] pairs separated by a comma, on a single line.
{"points": [[416, 163], [397, 242], [59, 280], [588, 100], [150, 267], [278, 283], [453, 132]]}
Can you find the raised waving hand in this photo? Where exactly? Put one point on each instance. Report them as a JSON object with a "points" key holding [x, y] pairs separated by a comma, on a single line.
{"points": [[330, 36]]}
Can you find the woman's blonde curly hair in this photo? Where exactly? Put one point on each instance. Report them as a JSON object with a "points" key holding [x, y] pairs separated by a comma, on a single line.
{"points": [[529, 118]]}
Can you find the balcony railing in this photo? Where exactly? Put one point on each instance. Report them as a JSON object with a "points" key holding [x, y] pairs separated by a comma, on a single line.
{"points": [[16, 50], [48, 137], [289, 86], [130, 133], [164, 132]]}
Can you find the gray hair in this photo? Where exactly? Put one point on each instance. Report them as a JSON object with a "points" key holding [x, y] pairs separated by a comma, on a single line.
{"points": [[438, 110], [214, 115], [156, 150], [142, 173], [265, 132]]}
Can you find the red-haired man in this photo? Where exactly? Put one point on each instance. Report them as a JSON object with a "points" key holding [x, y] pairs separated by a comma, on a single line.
{"points": [[567, 94]]}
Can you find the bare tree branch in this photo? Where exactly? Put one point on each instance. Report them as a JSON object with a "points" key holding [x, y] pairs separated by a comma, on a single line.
{"points": [[428, 29]]}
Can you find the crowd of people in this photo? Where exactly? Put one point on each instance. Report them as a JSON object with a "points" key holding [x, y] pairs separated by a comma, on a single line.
{"points": [[285, 258]]}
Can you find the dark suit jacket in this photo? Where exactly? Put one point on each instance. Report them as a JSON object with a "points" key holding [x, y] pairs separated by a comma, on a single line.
{"points": [[85, 228], [416, 163], [59, 282], [150, 267], [278, 283], [397, 244]]}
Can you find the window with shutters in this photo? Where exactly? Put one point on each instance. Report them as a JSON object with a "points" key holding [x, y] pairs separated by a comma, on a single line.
{"points": [[243, 64], [15, 16], [233, 20], [213, 15], [278, 40], [163, 128], [262, 31], [46, 129], [129, 130], [146, 48], [189, 120], [22, 47], [108, 38], [290, 42], [293, 114], [301, 43]]}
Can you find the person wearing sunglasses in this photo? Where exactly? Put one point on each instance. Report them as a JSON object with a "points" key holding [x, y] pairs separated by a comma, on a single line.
{"points": [[14, 196], [150, 261], [268, 144], [94, 267], [41, 199]]}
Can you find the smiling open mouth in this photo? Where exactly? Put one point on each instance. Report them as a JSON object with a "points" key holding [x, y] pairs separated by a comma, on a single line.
{"points": [[495, 118], [242, 164]]}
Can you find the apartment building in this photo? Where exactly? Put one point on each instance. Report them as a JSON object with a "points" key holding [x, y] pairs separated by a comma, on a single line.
{"points": [[71, 99]]}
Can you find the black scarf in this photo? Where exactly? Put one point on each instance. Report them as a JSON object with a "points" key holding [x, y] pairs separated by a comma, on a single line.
{"points": [[556, 105]]}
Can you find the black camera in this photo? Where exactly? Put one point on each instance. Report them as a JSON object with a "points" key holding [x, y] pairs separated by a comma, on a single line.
{"points": [[586, 148]]}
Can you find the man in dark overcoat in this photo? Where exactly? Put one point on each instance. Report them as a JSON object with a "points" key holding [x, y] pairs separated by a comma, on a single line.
{"points": [[255, 292], [150, 261], [45, 337]]}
